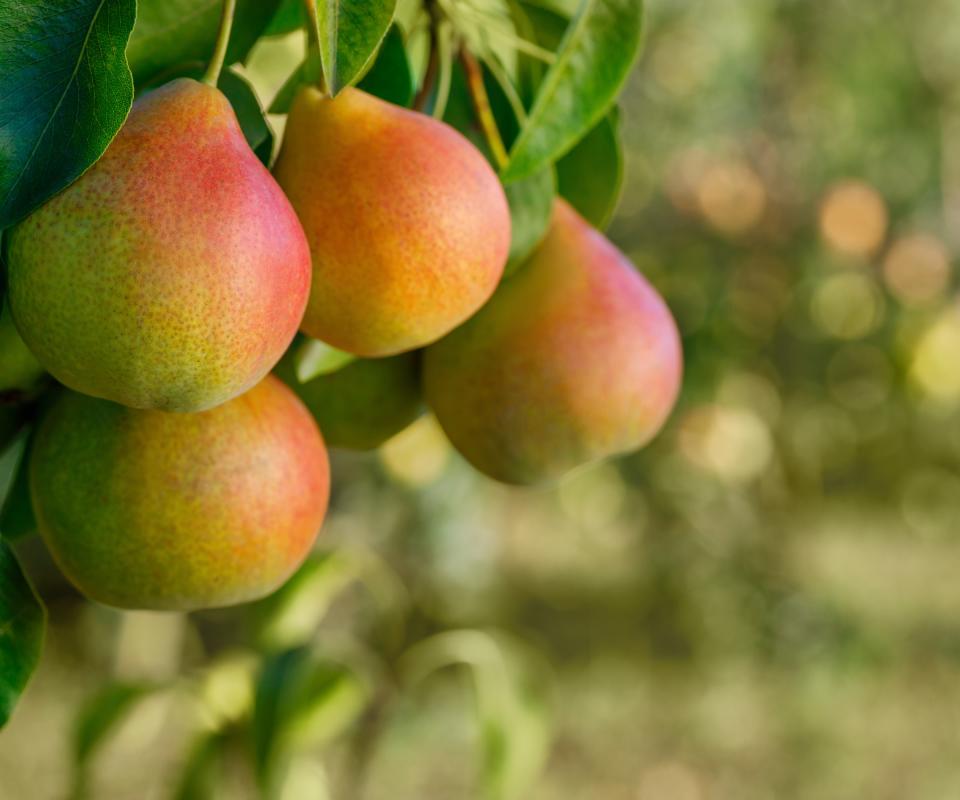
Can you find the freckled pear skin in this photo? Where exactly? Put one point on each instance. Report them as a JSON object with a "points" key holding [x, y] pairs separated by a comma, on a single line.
{"points": [[574, 359], [154, 510], [174, 273], [408, 225], [363, 404]]}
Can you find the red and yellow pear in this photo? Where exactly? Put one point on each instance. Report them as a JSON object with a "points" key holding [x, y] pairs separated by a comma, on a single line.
{"points": [[157, 510], [575, 358], [174, 273], [408, 225]]}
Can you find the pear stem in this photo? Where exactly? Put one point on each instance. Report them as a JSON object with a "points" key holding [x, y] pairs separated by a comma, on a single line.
{"points": [[212, 75], [313, 66], [481, 107]]}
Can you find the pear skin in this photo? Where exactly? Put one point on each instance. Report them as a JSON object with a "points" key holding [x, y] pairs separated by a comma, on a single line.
{"points": [[363, 404], [155, 510], [174, 273], [408, 225], [575, 358]]}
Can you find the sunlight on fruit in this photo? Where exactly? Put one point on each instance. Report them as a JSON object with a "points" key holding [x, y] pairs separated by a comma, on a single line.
{"points": [[853, 218], [418, 455], [917, 269], [733, 443], [670, 780], [227, 689], [847, 305], [731, 196], [935, 368]]}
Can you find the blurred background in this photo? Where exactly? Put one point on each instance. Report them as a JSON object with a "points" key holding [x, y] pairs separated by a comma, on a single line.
{"points": [[762, 604]]}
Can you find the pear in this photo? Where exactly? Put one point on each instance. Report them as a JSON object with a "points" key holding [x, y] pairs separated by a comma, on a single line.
{"points": [[155, 510], [174, 273], [408, 225], [575, 358], [363, 404]]}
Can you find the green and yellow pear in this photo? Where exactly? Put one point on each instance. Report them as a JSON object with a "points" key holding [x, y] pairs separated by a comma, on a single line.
{"points": [[156, 510], [574, 359], [364, 403], [19, 370], [174, 273], [408, 225]]}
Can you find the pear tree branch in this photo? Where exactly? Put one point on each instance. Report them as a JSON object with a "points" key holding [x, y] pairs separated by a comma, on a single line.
{"points": [[481, 107]]}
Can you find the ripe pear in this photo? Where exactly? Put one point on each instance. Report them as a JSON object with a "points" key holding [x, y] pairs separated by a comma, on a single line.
{"points": [[408, 225], [363, 404], [19, 370], [574, 359], [174, 273], [155, 510]]}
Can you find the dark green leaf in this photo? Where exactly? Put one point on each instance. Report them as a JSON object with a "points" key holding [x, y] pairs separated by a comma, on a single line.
{"points": [[201, 772], [170, 32], [531, 204], [391, 78], [22, 620], [314, 358], [65, 91], [350, 32], [592, 64], [530, 199], [98, 717], [544, 28], [10, 460], [284, 99], [16, 509], [591, 175], [101, 713], [246, 105], [300, 700], [288, 18]]}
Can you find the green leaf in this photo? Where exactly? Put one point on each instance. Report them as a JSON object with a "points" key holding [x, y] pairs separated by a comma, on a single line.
{"points": [[350, 32], [22, 620], [314, 358], [99, 717], [65, 91], [531, 204], [170, 32], [288, 18], [509, 683], [593, 61], [591, 175], [301, 701], [16, 509], [201, 771], [391, 78]]}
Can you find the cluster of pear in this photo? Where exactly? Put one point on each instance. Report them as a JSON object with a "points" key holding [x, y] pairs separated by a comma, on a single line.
{"points": [[165, 284]]}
